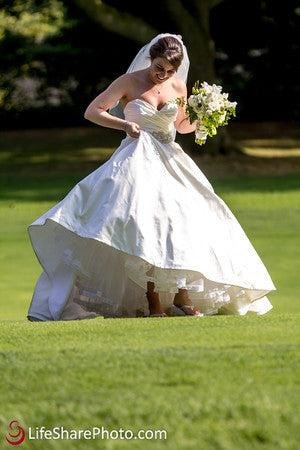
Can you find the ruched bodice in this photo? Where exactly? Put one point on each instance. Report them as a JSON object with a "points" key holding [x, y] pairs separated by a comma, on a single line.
{"points": [[159, 123]]}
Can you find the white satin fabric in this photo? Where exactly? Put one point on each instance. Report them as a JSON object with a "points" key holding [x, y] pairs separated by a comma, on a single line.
{"points": [[147, 214]]}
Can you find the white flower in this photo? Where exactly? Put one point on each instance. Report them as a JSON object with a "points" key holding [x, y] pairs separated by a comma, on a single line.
{"points": [[192, 101], [229, 104], [216, 89], [214, 106], [209, 101], [222, 118], [206, 87], [200, 97], [215, 97]]}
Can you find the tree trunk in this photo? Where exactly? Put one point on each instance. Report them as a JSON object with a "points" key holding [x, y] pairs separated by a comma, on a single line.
{"points": [[192, 23], [111, 19], [195, 29]]}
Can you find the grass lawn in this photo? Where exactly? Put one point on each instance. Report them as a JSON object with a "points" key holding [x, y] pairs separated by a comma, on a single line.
{"points": [[217, 382], [220, 382]]}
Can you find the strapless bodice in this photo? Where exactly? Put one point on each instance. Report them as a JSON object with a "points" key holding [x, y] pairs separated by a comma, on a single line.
{"points": [[159, 123], [148, 214]]}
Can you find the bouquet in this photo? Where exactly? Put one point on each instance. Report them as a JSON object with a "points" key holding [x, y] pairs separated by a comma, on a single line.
{"points": [[210, 107]]}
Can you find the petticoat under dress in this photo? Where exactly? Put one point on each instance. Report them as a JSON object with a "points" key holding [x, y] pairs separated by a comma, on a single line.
{"points": [[147, 214]]}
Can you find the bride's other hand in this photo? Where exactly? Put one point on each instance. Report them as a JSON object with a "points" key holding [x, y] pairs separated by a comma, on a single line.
{"points": [[132, 129], [182, 124]]}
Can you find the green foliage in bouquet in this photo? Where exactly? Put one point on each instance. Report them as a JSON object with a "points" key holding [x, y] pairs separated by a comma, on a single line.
{"points": [[209, 107]]}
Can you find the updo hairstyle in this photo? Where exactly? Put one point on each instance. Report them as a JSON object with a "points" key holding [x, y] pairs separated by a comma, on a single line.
{"points": [[168, 48]]}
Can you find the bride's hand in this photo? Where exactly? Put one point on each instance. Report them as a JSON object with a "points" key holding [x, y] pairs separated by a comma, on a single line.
{"points": [[132, 129]]}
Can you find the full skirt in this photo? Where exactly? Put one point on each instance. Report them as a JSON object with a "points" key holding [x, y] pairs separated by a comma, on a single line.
{"points": [[147, 214]]}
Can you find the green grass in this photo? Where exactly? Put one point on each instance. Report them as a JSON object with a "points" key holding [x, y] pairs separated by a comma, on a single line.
{"points": [[266, 207], [211, 383], [220, 382]]}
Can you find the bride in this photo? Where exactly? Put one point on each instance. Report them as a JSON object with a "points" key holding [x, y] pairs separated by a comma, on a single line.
{"points": [[145, 234]]}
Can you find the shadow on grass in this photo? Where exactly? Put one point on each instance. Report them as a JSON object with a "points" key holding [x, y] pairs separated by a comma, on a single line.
{"points": [[42, 187], [44, 165], [38, 188], [57, 149]]}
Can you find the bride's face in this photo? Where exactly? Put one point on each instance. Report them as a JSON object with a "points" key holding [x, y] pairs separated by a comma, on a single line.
{"points": [[161, 70]]}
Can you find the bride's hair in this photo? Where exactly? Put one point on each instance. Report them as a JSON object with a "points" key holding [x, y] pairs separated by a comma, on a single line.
{"points": [[169, 48]]}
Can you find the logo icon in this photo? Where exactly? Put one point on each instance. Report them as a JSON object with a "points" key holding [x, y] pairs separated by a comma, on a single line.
{"points": [[20, 433]]}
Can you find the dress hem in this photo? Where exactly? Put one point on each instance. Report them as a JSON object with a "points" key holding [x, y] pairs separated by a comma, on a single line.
{"points": [[159, 266]]}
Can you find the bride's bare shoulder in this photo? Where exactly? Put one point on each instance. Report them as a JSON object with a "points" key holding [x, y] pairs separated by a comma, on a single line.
{"points": [[136, 77], [123, 79], [128, 80], [133, 76], [179, 86]]}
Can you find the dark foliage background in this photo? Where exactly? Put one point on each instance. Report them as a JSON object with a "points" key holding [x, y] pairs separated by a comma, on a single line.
{"points": [[48, 77]]}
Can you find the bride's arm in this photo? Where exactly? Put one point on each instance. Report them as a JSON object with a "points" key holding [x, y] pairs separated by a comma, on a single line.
{"points": [[97, 113], [183, 125]]}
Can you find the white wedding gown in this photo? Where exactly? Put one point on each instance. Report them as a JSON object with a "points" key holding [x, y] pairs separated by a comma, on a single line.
{"points": [[147, 214]]}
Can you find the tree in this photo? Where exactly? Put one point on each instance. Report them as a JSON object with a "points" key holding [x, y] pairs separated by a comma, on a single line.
{"points": [[56, 56], [191, 19], [51, 63], [122, 23], [259, 69]]}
